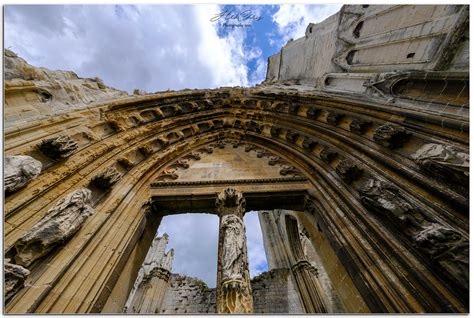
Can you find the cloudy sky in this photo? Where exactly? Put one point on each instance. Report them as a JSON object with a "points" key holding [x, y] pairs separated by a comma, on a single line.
{"points": [[158, 47], [194, 239]]}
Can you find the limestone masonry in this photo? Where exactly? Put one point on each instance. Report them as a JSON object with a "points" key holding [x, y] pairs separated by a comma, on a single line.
{"points": [[354, 150]]}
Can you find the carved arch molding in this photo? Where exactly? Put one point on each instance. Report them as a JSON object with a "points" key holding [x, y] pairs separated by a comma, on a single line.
{"points": [[387, 185]]}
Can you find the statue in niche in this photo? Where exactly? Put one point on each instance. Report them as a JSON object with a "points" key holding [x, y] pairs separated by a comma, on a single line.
{"points": [[233, 257], [19, 170], [60, 223]]}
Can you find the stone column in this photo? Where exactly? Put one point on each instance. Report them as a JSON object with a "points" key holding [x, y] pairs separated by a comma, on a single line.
{"points": [[234, 293], [152, 282]]}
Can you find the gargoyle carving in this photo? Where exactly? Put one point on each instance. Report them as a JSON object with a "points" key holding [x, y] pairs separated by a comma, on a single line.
{"points": [[391, 136], [19, 170], [106, 179], [15, 276], [58, 148], [444, 161], [60, 223]]}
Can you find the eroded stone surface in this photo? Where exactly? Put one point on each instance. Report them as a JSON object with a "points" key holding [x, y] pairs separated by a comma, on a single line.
{"points": [[19, 170], [59, 225], [444, 161], [15, 276], [59, 147]]}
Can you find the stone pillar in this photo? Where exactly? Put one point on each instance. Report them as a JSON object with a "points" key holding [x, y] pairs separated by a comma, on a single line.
{"points": [[149, 290], [234, 293]]}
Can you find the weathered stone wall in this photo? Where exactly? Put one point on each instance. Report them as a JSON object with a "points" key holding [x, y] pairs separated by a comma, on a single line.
{"points": [[273, 292], [188, 295]]}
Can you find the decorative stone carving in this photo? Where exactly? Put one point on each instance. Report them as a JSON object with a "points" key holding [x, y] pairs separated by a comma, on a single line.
{"points": [[168, 174], [232, 228], [289, 170], [193, 155], [106, 179], [293, 109], [126, 163], [207, 149], [116, 125], [334, 118], [19, 170], [58, 148], [348, 170], [221, 144], [263, 153], [327, 155], [253, 126], [391, 136], [313, 112], [446, 247], [162, 141], [309, 143], [15, 277], [359, 126], [275, 131], [230, 200], [236, 143], [146, 150], [234, 293], [291, 137], [276, 160], [180, 163], [249, 148], [60, 223], [444, 161], [385, 199]]}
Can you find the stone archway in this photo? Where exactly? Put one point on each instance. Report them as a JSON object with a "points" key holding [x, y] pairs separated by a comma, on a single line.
{"points": [[384, 170]]}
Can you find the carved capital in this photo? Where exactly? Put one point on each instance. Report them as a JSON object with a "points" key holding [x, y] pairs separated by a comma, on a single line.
{"points": [[230, 201]]}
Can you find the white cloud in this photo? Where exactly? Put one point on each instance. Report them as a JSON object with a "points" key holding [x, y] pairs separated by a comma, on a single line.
{"points": [[292, 19], [151, 47], [256, 251]]}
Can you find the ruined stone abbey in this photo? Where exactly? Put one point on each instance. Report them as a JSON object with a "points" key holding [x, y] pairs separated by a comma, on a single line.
{"points": [[354, 150]]}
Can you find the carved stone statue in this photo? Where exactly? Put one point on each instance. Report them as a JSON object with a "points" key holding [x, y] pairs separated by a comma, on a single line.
{"points": [[15, 276], [19, 170], [233, 253], [446, 247], [385, 199], [348, 170], [444, 161], [58, 148], [60, 224]]}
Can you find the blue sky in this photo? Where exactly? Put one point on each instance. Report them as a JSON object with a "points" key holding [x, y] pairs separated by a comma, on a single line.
{"points": [[156, 47]]}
